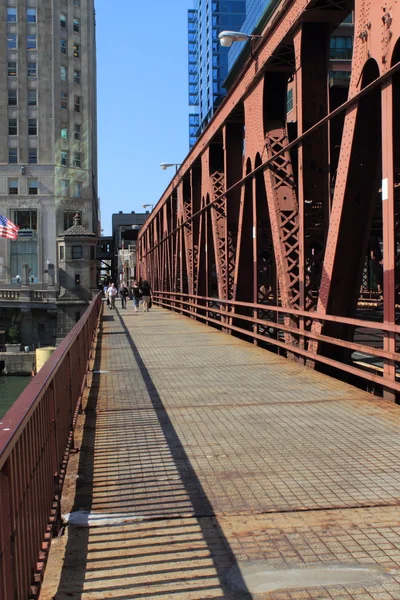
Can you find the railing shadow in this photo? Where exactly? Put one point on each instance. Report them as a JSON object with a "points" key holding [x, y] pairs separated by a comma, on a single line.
{"points": [[176, 546]]}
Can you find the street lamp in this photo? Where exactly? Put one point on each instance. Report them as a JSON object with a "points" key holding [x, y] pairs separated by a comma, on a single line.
{"points": [[165, 166], [226, 38], [148, 206]]}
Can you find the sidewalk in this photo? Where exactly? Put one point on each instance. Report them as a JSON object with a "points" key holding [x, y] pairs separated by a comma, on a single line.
{"points": [[210, 468]]}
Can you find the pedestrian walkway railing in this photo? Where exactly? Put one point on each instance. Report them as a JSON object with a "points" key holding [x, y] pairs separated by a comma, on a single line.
{"points": [[298, 334], [36, 436]]}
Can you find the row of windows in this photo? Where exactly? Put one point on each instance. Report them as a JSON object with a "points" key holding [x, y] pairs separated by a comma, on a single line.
{"points": [[64, 48], [13, 97], [31, 15], [31, 41], [76, 25], [77, 102], [32, 71], [77, 132], [76, 159], [64, 75], [65, 188], [13, 127], [13, 156], [33, 187], [33, 157], [13, 187], [12, 69]]}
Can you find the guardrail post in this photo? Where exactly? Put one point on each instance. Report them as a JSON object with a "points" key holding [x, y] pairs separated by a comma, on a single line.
{"points": [[7, 559]]}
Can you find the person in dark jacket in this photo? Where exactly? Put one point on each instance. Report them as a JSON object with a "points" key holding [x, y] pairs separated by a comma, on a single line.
{"points": [[146, 295], [123, 294], [135, 295]]}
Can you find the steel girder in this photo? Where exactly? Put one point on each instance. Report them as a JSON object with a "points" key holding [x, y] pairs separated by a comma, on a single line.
{"points": [[278, 213]]}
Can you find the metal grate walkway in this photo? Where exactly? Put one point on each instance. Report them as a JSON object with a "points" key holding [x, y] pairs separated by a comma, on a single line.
{"points": [[210, 468]]}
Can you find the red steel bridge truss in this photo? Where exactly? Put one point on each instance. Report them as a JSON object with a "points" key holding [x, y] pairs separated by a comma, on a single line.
{"points": [[288, 233]]}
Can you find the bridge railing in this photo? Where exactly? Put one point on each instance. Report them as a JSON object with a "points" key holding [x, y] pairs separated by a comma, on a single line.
{"points": [[36, 435], [297, 333]]}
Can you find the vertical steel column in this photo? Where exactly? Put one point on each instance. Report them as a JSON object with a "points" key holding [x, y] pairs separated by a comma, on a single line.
{"points": [[389, 266]]}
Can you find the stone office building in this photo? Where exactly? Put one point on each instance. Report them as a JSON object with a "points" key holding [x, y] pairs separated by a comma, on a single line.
{"points": [[48, 162]]}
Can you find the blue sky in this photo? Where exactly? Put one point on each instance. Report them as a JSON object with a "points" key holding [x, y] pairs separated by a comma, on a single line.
{"points": [[142, 101]]}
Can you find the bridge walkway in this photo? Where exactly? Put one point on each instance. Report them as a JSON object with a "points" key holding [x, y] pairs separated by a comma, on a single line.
{"points": [[210, 468]]}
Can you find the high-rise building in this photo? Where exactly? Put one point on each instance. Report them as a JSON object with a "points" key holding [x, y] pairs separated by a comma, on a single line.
{"points": [[48, 164], [255, 10], [208, 61]]}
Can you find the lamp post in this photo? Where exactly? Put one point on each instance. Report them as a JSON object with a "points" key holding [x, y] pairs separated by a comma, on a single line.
{"points": [[165, 166], [226, 38], [147, 206]]}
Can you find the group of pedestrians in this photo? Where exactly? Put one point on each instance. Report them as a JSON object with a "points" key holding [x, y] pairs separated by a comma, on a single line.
{"points": [[136, 292]]}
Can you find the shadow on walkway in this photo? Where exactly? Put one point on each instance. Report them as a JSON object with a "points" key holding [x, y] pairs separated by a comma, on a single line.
{"points": [[152, 531]]}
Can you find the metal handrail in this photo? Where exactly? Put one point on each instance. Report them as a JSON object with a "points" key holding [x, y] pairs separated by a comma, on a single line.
{"points": [[36, 435]]}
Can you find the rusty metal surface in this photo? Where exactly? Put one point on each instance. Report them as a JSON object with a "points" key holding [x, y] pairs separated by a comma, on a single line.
{"points": [[209, 467], [294, 214], [35, 437]]}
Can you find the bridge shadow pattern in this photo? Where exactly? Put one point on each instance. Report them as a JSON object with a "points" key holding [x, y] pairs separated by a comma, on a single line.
{"points": [[152, 530]]}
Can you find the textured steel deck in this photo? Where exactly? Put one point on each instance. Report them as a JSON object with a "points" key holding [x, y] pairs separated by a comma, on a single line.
{"points": [[210, 468]]}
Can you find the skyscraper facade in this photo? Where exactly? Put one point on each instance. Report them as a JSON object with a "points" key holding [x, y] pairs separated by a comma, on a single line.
{"points": [[208, 61], [255, 9], [48, 157]]}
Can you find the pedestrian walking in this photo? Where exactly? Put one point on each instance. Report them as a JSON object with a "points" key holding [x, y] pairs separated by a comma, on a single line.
{"points": [[112, 292], [135, 293], [105, 290], [123, 294], [146, 295]]}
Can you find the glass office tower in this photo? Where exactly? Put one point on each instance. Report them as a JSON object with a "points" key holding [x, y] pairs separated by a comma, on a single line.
{"points": [[208, 60], [255, 9]]}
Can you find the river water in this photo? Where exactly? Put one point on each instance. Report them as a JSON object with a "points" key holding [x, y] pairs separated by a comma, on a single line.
{"points": [[10, 388]]}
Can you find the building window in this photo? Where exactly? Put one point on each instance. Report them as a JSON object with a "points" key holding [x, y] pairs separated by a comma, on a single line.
{"points": [[11, 41], [77, 50], [64, 101], [31, 15], [12, 127], [13, 186], [91, 252], [341, 48], [64, 187], [61, 252], [77, 282], [77, 160], [32, 72], [11, 15], [69, 218], [63, 47], [77, 77], [77, 133], [77, 2], [77, 26], [32, 97], [63, 21], [64, 158], [12, 97], [33, 187], [78, 189], [32, 156], [63, 73], [76, 252], [12, 69], [77, 103], [25, 249], [31, 42], [64, 132], [32, 126], [289, 100], [12, 156]]}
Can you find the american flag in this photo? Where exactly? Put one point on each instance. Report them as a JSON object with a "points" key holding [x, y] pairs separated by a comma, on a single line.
{"points": [[8, 229]]}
